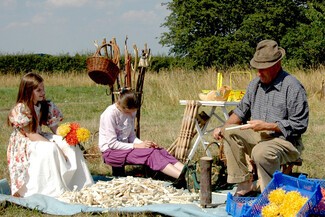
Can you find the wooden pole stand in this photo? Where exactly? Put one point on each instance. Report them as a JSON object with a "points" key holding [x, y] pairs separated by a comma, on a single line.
{"points": [[205, 181]]}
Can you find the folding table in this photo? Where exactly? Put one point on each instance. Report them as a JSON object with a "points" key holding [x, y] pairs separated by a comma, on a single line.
{"points": [[213, 105]]}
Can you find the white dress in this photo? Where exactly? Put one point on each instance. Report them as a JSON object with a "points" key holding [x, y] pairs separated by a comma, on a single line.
{"points": [[39, 167]]}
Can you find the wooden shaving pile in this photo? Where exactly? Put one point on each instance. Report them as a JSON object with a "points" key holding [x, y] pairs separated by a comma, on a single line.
{"points": [[128, 191]]}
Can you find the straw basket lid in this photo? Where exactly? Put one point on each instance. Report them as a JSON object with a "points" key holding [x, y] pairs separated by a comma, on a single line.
{"points": [[216, 95], [101, 69]]}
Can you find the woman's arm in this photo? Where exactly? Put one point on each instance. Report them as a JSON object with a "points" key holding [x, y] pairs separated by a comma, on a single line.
{"points": [[32, 136], [54, 129], [36, 137], [54, 117]]}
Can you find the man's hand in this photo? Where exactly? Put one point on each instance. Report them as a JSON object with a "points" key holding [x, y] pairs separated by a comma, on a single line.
{"points": [[217, 133], [258, 125]]}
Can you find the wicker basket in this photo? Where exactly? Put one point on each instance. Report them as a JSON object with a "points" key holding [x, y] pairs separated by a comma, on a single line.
{"points": [[101, 69], [215, 95]]}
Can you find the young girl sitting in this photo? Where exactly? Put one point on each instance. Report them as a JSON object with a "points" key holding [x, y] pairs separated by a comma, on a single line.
{"points": [[39, 162], [119, 144]]}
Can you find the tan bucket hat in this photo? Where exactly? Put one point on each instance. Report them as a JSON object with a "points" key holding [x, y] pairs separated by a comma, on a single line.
{"points": [[267, 54]]}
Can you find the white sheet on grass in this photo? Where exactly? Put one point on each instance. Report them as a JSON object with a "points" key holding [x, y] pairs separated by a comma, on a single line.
{"points": [[53, 206]]}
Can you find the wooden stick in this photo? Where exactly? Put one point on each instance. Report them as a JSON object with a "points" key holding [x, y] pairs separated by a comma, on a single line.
{"points": [[187, 132], [189, 129], [181, 145], [236, 127], [173, 147], [205, 181], [116, 60], [135, 65], [183, 129], [105, 48]]}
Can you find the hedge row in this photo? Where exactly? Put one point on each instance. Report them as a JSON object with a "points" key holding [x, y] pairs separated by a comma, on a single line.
{"points": [[41, 63], [64, 63]]}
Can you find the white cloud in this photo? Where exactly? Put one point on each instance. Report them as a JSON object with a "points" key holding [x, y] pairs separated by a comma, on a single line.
{"points": [[105, 4], [38, 19], [66, 3], [72, 25], [8, 3], [140, 16], [108, 6], [13, 25]]}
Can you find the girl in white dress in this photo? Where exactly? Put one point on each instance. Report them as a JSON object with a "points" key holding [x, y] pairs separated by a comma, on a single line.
{"points": [[39, 162]]}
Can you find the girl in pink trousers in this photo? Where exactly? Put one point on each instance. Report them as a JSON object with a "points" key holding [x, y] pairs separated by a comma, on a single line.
{"points": [[119, 144]]}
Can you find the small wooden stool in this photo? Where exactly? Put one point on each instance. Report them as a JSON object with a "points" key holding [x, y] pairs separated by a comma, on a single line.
{"points": [[286, 168]]}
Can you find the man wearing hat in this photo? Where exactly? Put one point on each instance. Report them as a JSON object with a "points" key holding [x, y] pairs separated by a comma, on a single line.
{"points": [[273, 114]]}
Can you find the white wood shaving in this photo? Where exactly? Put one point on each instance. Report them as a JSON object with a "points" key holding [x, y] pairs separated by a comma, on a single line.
{"points": [[128, 191]]}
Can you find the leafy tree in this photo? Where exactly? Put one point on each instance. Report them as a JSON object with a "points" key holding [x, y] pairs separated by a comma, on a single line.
{"points": [[306, 44], [224, 33], [198, 28]]}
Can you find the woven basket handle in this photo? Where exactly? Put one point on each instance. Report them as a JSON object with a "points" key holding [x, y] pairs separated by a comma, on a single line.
{"points": [[97, 53]]}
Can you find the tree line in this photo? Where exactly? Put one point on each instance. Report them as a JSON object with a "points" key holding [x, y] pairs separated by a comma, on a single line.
{"points": [[223, 33]]}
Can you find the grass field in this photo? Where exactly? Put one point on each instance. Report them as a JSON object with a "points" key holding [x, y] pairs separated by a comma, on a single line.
{"points": [[80, 99]]}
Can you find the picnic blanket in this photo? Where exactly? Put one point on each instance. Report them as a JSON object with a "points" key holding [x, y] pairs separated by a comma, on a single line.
{"points": [[50, 205]]}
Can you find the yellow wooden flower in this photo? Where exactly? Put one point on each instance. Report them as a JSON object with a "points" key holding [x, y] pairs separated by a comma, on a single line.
{"points": [[292, 203], [63, 129], [83, 134], [270, 210], [276, 196], [285, 204]]}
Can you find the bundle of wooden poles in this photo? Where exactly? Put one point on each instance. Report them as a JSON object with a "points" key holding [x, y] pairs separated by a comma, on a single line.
{"points": [[181, 145]]}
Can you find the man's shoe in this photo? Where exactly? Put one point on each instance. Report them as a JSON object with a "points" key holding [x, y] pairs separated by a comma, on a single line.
{"points": [[248, 194]]}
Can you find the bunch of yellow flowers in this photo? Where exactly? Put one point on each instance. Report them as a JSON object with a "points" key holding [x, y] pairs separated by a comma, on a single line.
{"points": [[73, 133], [282, 203]]}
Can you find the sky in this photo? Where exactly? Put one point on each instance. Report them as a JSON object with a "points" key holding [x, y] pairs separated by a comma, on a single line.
{"points": [[59, 27]]}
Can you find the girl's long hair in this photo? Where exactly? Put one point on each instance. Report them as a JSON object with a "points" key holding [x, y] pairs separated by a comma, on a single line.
{"points": [[128, 99], [28, 84]]}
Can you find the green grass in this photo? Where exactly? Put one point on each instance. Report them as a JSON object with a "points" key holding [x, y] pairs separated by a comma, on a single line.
{"points": [[161, 114]]}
